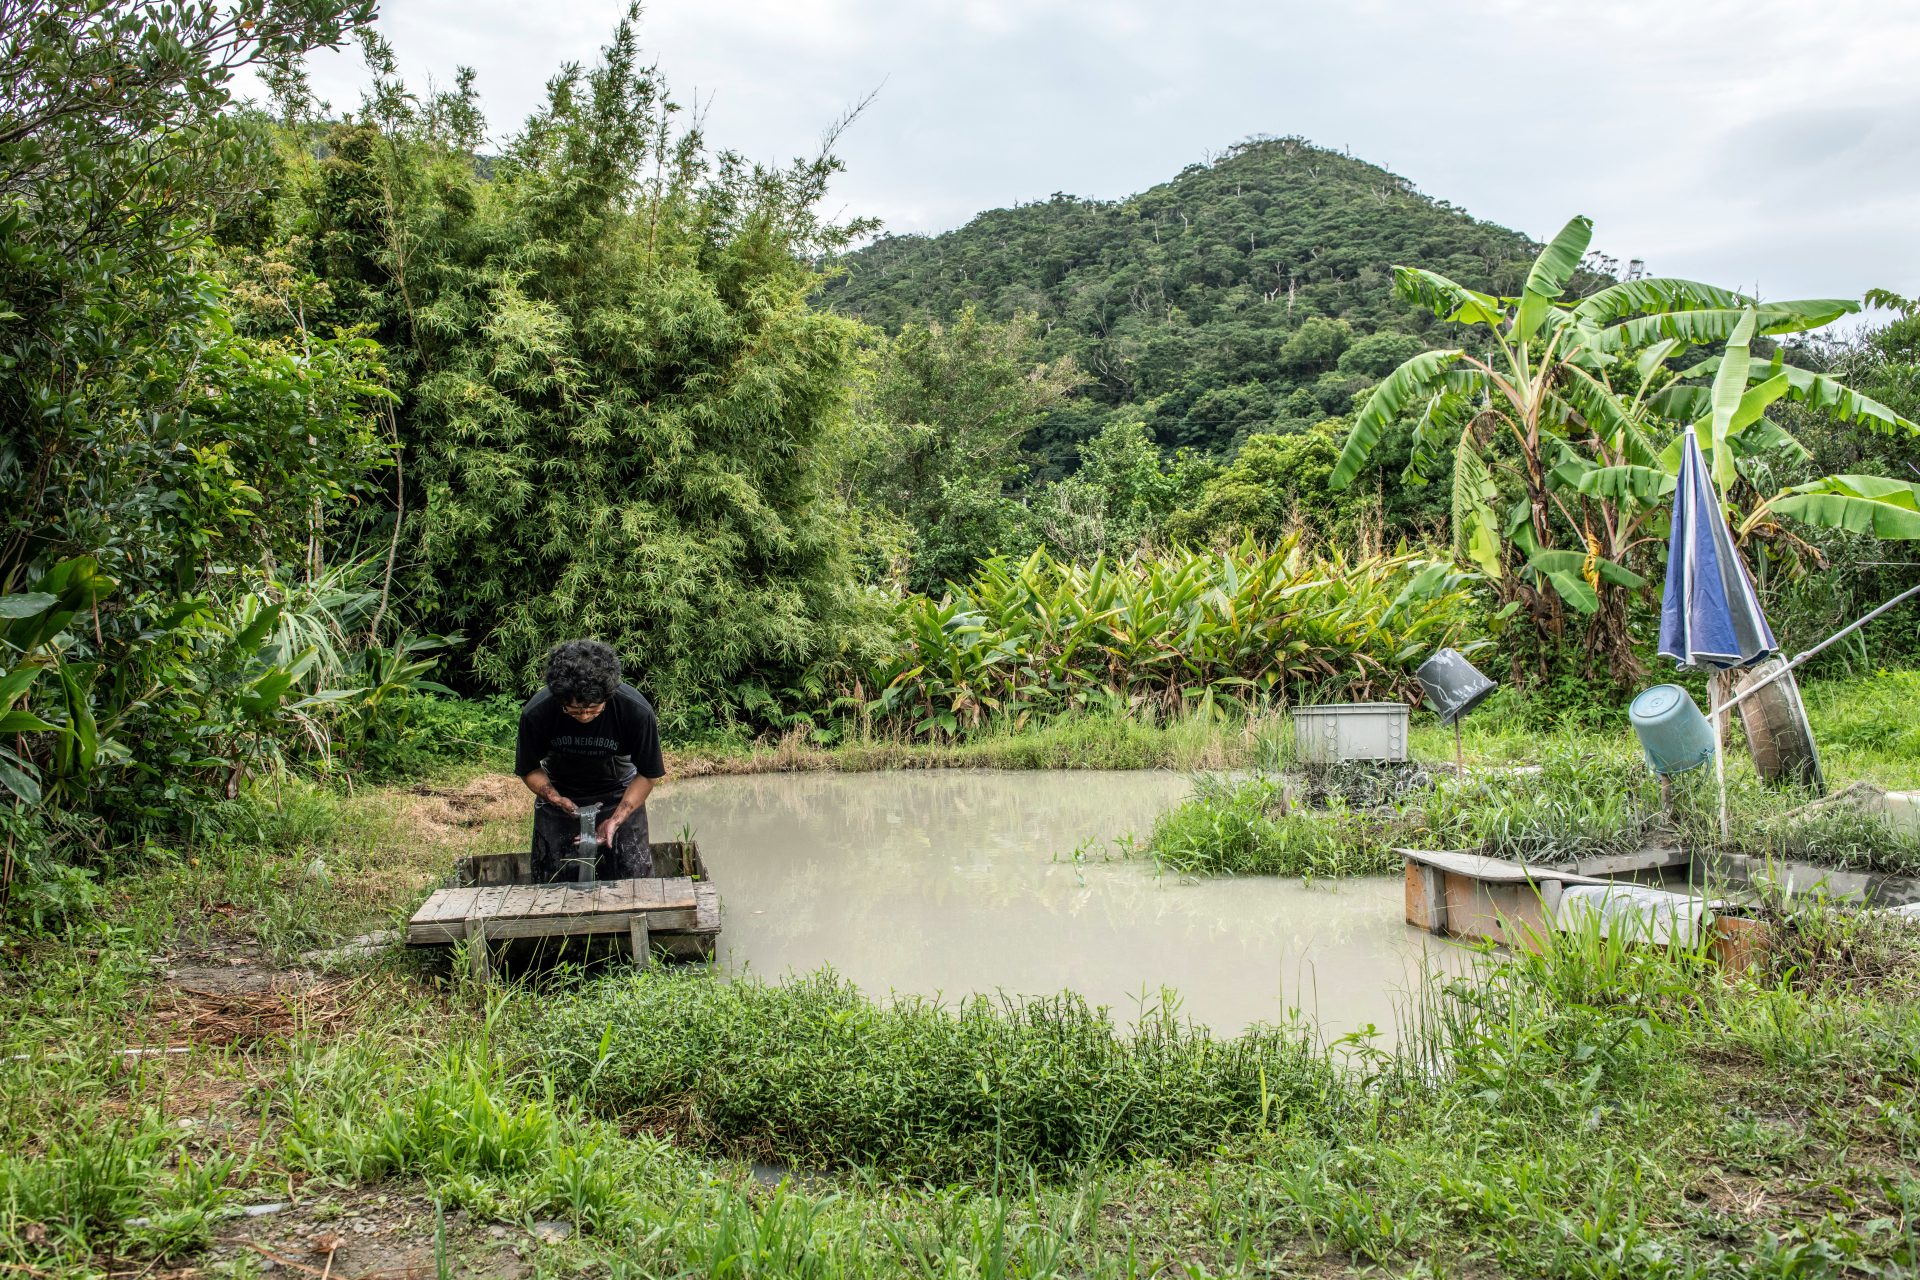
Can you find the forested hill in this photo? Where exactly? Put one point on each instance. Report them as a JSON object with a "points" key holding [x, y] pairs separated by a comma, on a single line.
{"points": [[1242, 295]]}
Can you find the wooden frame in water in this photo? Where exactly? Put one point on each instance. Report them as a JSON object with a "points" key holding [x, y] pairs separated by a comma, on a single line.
{"points": [[493, 901]]}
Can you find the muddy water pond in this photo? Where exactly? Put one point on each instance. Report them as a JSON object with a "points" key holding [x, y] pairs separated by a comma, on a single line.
{"points": [[959, 882]]}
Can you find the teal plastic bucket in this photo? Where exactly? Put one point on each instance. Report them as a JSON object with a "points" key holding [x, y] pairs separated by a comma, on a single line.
{"points": [[1674, 734]]}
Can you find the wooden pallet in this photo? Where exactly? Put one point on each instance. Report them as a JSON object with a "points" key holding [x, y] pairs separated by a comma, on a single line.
{"points": [[490, 905]]}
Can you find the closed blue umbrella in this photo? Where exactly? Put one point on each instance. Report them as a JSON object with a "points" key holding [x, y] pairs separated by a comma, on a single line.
{"points": [[1710, 615]]}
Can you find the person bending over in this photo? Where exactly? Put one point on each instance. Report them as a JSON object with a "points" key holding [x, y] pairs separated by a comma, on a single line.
{"points": [[588, 737]]}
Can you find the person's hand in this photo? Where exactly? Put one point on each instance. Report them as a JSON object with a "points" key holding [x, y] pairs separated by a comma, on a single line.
{"points": [[564, 805], [604, 833]]}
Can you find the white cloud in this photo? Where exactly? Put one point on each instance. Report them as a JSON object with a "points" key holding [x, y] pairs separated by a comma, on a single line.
{"points": [[1732, 141]]}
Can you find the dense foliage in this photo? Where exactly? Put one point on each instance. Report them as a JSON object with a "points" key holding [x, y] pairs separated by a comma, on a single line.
{"points": [[173, 613], [1563, 427], [1168, 633], [613, 400]]}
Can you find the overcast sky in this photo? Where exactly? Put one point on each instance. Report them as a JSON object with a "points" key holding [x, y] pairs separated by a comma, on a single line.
{"points": [[1758, 144]]}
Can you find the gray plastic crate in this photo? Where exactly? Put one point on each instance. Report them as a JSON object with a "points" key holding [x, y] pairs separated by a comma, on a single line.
{"points": [[1350, 731]]}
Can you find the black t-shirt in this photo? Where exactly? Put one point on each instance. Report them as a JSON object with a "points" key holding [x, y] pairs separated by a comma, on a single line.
{"points": [[594, 758]]}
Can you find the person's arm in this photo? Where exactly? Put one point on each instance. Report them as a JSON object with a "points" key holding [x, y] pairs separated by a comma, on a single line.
{"points": [[538, 783], [630, 801], [529, 754], [645, 749]]}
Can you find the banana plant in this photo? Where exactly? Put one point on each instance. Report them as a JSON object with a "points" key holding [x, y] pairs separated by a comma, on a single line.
{"points": [[1561, 429]]}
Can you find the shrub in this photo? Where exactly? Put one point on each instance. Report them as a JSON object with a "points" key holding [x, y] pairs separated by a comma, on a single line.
{"points": [[1178, 630]]}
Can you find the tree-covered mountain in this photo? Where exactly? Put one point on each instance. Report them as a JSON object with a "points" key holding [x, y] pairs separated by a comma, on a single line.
{"points": [[1246, 294]]}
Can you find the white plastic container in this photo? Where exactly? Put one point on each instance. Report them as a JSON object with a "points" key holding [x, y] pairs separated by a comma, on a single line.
{"points": [[1350, 731]]}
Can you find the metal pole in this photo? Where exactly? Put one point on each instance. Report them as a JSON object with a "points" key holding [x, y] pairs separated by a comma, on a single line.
{"points": [[1757, 686], [1459, 757], [1720, 767]]}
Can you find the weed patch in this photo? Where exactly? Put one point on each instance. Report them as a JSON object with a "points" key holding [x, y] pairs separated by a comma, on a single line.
{"points": [[814, 1073]]}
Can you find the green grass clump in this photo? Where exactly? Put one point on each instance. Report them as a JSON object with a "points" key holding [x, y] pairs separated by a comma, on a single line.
{"points": [[1868, 727], [1209, 736], [1576, 804], [815, 1073], [1579, 800], [1235, 826]]}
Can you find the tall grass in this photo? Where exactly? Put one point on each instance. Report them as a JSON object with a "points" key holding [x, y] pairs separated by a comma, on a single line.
{"points": [[1178, 630], [815, 1073]]}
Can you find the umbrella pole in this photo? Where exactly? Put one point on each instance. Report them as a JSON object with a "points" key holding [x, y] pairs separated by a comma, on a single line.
{"points": [[1720, 770], [1722, 685]]}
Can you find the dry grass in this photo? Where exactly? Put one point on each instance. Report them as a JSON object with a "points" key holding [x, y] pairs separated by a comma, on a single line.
{"points": [[290, 1007]]}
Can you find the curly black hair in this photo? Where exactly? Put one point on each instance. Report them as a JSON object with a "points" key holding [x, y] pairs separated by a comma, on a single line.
{"points": [[582, 673]]}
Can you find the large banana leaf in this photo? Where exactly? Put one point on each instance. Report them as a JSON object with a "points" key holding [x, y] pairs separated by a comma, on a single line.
{"points": [[1816, 390], [1602, 410], [1768, 436], [1417, 378], [1476, 529], [1548, 278], [1729, 391], [1574, 590], [1717, 324], [1750, 408], [1860, 504], [1645, 485], [1446, 299], [1575, 563], [1441, 422], [1683, 401], [1655, 293]]}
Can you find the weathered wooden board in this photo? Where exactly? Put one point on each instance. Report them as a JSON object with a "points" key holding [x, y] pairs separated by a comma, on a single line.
{"points": [[1469, 895], [531, 911], [1493, 870]]}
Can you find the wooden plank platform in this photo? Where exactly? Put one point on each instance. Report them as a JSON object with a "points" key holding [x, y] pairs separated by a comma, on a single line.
{"points": [[492, 902], [561, 910]]}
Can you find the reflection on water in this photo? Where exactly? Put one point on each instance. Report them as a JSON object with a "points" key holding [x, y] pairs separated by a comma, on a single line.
{"points": [[952, 882]]}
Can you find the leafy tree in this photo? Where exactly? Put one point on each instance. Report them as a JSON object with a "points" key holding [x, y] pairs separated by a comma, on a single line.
{"points": [[959, 401], [1275, 486], [1119, 500], [615, 401], [1563, 435], [169, 478]]}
